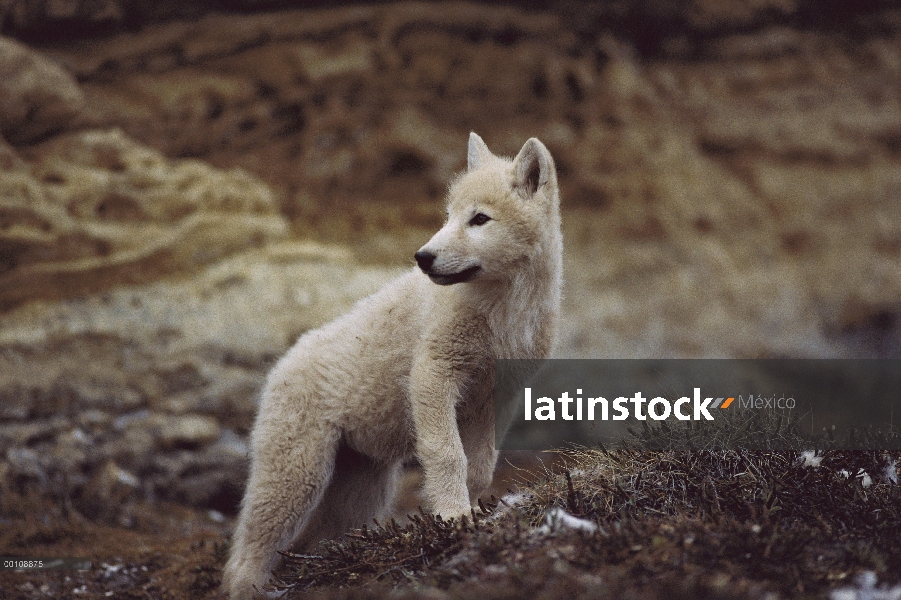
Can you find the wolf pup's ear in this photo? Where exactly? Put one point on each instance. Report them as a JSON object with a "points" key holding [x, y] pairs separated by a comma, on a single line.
{"points": [[478, 152], [532, 168]]}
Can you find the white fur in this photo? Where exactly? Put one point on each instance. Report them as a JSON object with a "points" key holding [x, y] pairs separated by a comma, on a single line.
{"points": [[407, 372]]}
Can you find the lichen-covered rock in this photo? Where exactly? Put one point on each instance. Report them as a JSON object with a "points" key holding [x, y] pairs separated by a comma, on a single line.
{"points": [[37, 97], [92, 209]]}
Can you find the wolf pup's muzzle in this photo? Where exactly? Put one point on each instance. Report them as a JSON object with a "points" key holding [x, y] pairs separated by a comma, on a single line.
{"points": [[426, 261]]}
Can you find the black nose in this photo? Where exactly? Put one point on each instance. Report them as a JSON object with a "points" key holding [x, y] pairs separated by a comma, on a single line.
{"points": [[424, 260]]}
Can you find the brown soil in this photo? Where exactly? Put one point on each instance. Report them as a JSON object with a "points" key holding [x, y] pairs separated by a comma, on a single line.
{"points": [[157, 550], [161, 551]]}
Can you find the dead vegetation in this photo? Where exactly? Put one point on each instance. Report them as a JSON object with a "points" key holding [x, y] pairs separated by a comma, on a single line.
{"points": [[709, 523], [598, 523], [681, 513]]}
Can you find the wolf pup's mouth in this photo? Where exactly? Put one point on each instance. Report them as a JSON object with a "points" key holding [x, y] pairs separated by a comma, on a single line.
{"points": [[464, 275]]}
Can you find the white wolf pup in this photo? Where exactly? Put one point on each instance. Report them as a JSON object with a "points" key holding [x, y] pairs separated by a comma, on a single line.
{"points": [[407, 372]]}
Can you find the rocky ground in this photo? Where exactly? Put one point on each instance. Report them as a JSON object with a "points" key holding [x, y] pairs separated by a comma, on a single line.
{"points": [[185, 190]]}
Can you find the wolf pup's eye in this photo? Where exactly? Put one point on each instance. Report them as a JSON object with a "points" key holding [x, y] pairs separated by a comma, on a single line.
{"points": [[479, 219]]}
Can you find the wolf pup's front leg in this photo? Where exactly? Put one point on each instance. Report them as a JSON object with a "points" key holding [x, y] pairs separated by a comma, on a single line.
{"points": [[434, 395]]}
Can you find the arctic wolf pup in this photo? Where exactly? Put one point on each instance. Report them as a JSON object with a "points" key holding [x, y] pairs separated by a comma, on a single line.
{"points": [[407, 372]]}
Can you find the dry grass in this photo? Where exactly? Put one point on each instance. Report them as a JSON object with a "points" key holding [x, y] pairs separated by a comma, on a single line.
{"points": [[669, 524]]}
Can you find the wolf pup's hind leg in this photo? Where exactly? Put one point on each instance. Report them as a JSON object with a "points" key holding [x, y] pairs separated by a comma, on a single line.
{"points": [[292, 470], [361, 489]]}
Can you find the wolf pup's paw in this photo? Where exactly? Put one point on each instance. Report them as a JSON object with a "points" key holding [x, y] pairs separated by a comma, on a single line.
{"points": [[241, 581], [454, 511]]}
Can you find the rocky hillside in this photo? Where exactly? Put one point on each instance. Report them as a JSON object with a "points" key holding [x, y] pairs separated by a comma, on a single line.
{"points": [[735, 165], [187, 187]]}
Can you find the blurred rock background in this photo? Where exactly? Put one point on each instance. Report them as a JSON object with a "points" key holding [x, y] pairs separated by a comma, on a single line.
{"points": [[186, 187]]}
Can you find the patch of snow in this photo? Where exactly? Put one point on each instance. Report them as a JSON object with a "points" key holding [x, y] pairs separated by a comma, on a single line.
{"points": [[809, 458], [865, 479], [557, 519], [865, 589]]}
